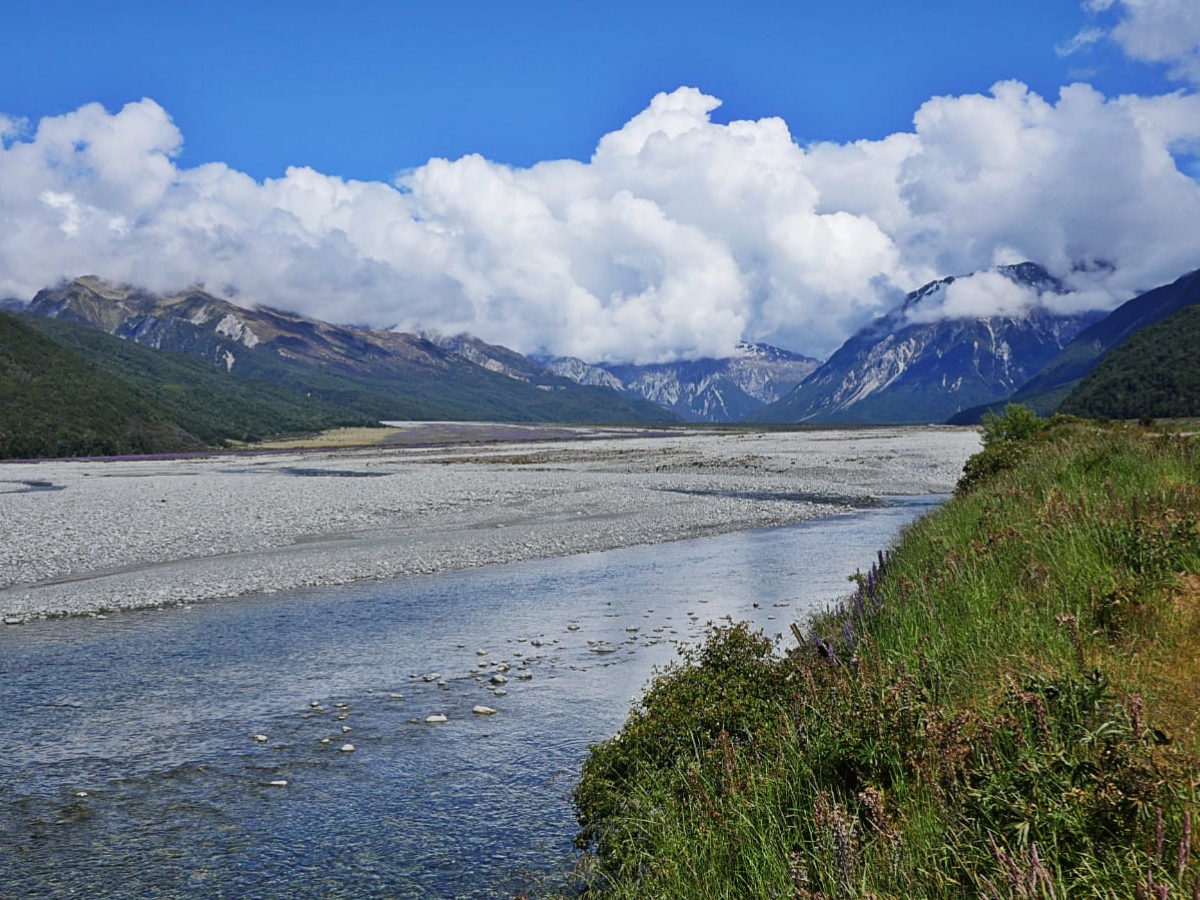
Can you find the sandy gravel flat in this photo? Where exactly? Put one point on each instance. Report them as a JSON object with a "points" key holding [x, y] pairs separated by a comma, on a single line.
{"points": [[90, 536]]}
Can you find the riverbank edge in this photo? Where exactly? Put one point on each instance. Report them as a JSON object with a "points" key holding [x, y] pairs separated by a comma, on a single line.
{"points": [[1006, 707]]}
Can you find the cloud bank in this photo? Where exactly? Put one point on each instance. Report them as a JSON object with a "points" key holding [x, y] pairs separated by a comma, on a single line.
{"points": [[679, 237]]}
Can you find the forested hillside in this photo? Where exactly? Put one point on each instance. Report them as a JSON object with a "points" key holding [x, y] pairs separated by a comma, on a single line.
{"points": [[1155, 373], [55, 403]]}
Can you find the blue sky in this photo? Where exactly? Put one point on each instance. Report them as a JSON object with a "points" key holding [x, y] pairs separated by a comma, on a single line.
{"points": [[764, 171], [365, 89]]}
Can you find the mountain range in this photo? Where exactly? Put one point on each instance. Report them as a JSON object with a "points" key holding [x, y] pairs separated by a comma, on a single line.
{"points": [[729, 389], [189, 369], [1050, 388], [915, 366], [376, 374]]}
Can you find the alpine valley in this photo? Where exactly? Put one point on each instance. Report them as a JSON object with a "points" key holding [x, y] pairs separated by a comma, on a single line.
{"points": [[190, 370]]}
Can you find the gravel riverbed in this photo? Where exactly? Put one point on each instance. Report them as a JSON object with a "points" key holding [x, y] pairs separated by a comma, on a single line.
{"points": [[86, 537]]}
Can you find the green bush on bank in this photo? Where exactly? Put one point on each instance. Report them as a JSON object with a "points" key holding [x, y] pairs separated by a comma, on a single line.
{"points": [[1005, 708]]}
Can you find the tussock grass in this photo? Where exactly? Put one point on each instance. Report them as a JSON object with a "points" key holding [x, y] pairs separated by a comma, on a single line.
{"points": [[1007, 706]]}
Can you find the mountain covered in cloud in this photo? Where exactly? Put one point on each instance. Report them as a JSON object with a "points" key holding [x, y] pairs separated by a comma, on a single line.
{"points": [[729, 389], [678, 238], [935, 355], [374, 374]]}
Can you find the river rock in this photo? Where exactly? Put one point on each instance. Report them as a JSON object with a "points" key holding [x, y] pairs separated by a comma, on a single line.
{"points": [[499, 679], [346, 748], [436, 719], [261, 738], [432, 676], [483, 711]]}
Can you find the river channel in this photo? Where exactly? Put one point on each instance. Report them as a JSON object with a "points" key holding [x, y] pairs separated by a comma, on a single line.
{"points": [[198, 752]]}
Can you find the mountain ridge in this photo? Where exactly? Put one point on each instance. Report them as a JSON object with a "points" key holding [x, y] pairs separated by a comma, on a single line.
{"points": [[901, 369], [720, 390], [380, 374]]}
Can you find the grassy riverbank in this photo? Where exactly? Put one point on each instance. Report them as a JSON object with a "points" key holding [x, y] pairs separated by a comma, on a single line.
{"points": [[1008, 707]]}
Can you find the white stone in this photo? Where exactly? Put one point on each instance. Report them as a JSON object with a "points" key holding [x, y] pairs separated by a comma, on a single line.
{"points": [[483, 711], [346, 748], [261, 738], [436, 719]]}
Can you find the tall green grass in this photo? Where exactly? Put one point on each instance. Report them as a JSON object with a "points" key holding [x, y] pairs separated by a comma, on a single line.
{"points": [[1005, 707]]}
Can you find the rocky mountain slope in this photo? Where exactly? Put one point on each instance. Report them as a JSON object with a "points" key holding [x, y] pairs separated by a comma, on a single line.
{"points": [[380, 374], [703, 390], [913, 367]]}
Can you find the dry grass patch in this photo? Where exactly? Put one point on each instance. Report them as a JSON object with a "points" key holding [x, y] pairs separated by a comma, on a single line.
{"points": [[333, 438]]}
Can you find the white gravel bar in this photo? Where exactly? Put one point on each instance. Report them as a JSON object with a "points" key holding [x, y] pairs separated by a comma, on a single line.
{"points": [[86, 537]]}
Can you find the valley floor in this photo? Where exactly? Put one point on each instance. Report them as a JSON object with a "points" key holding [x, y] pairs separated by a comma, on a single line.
{"points": [[81, 537]]}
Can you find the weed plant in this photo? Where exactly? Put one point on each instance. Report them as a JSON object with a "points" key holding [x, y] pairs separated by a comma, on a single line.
{"points": [[1005, 707]]}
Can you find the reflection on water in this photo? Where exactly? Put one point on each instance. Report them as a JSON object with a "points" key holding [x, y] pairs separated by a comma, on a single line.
{"points": [[134, 767]]}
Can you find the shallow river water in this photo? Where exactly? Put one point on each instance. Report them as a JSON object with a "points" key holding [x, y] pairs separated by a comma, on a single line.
{"points": [[131, 763]]}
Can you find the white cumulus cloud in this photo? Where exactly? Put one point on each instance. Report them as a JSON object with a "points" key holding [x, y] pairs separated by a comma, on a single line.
{"points": [[981, 294], [678, 238], [1157, 31]]}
